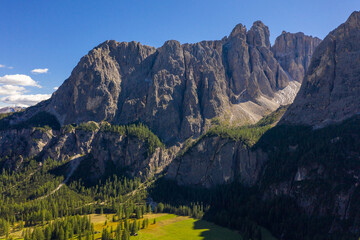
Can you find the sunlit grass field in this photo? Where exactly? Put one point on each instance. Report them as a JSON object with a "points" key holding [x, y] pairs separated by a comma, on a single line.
{"points": [[167, 227], [178, 227]]}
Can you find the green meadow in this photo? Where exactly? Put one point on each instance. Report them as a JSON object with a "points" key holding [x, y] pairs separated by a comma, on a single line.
{"points": [[167, 227], [171, 227]]}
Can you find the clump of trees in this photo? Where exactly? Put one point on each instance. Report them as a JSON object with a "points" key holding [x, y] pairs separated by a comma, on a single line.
{"points": [[87, 126], [62, 229], [139, 131], [4, 228], [250, 134], [194, 210]]}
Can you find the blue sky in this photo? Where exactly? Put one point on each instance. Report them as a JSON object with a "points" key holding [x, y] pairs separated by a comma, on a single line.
{"points": [[55, 34]]}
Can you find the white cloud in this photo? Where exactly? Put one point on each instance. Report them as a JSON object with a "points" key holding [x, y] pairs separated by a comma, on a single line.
{"points": [[11, 90], [25, 100], [19, 79], [56, 88], [3, 66], [40, 70]]}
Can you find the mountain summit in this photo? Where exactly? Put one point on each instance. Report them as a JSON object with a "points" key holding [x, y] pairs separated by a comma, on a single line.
{"points": [[191, 105], [294, 51], [177, 89], [331, 87]]}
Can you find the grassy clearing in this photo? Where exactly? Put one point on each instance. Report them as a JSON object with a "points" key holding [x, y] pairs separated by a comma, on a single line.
{"points": [[167, 227], [173, 227], [183, 228]]}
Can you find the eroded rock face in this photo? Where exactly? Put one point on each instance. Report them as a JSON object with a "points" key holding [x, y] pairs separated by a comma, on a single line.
{"points": [[294, 51], [15, 145], [331, 87], [92, 90], [215, 161], [129, 153], [105, 148], [176, 89]]}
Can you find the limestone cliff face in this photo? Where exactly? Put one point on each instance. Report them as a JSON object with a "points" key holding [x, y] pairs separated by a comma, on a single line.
{"points": [[331, 87], [176, 89], [14, 148], [328, 184], [214, 161], [92, 90], [103, 148], [294, 51]]}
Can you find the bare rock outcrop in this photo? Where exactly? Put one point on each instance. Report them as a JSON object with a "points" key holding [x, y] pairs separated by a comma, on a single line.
{"points": [[215, 161], [103, 149], [176, 89], [331, 87], [294, 51]]}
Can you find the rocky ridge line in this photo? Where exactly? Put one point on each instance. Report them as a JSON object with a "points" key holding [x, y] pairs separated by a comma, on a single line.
{"points": [[176, 90]]}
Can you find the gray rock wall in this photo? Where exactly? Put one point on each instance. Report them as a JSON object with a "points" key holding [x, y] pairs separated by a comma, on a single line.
{"points": [[214, 161], [331, 88], [105, 148], [176, 89], [294, 52]]}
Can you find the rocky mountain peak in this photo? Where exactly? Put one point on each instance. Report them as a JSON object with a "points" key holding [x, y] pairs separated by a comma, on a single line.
{"points": [[175, 89], [330, 91], [259, 35], [171, 44], [238, 31], [294, 51], [353, 19]]}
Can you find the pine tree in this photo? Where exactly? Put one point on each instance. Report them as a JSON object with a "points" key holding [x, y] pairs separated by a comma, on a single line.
{"points": [[105, 235], [38, 234], [21, 224], [26, 235], [138, 213], [4, 227], [47, 233], [143, 224], [125, 235], [160, 208], [119, 213], [118, 232], [126, 225], [61, 234], [87, 235], [134, 228]]}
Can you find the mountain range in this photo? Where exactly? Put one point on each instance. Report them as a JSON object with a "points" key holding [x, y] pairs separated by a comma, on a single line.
{"points": [[215, 114], [177, 89], [10, 109]]}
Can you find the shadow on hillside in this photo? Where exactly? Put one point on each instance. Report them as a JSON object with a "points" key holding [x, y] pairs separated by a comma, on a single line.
{"points": [[214, 232]]}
